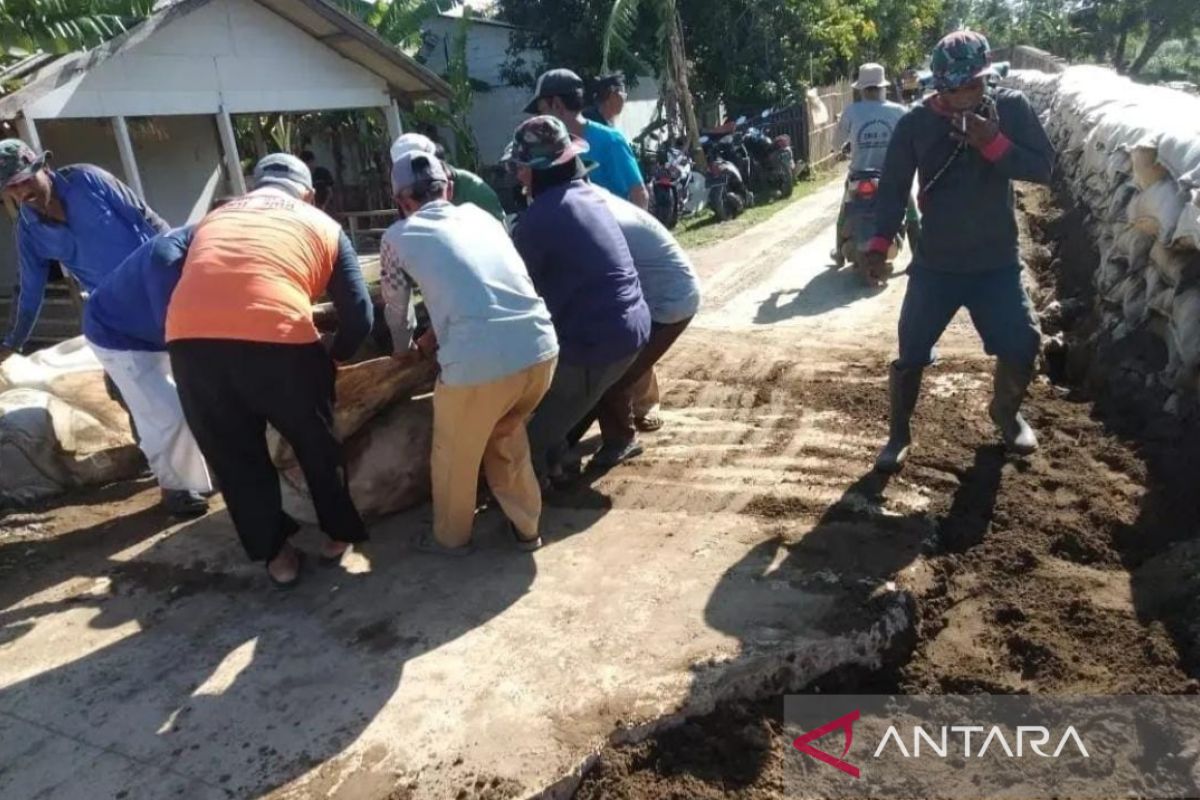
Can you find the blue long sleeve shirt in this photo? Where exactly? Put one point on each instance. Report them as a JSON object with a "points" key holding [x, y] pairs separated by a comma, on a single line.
{"points": [[581, 266], [105, 222], [128, 310]]}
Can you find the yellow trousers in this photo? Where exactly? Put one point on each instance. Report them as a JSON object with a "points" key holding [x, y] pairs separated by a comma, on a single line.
{"points": [[485, 424]]}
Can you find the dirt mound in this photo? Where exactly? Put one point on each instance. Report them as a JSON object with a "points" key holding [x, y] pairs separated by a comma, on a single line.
{"points": [[1072, 571]]}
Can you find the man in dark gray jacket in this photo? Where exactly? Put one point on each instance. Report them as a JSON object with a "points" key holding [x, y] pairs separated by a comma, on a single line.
{"points": [[967, 144]]}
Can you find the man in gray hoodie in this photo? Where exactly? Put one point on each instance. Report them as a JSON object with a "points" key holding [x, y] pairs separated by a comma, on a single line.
{"points": [[967, 144]]}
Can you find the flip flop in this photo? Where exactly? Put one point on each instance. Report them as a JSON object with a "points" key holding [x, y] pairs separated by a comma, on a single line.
{"points": [[428, 544], [523, 544], [649, 424], [335, 561]]}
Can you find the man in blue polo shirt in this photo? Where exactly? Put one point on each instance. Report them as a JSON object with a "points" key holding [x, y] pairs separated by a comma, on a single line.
{"points": [[124, 322], [559, 93], [79, 216], [580, 265]]}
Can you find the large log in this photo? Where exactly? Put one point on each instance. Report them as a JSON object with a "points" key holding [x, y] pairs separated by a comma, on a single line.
{"points": [[387, 462]]}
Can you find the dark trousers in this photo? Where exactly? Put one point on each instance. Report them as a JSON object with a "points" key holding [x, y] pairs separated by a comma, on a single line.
{"points": [[615, 409], [230, 390]]}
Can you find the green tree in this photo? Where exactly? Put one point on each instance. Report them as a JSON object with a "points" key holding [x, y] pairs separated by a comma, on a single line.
{"points": [[60, 26], [618, 30], [396, 21]]}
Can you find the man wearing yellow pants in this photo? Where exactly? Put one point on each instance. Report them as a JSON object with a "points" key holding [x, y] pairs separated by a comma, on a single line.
{"points": [[492, 337]]}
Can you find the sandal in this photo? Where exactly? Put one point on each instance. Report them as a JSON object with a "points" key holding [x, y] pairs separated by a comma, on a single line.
{"points": [[649, 423], [428, 544], [523, 544], [289, 584], [335, 561]]}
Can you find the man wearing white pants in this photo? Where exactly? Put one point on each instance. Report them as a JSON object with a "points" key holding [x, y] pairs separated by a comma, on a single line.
{"points": [[124, 322]]}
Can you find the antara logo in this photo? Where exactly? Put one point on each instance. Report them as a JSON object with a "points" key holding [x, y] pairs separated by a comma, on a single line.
{"points": [[844, 723], [1033, 736]]}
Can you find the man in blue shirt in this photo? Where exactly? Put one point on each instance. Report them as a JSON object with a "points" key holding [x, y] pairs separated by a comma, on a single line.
{"points": [[125, 323], [581, 266], [559, 93], [79, 216]]}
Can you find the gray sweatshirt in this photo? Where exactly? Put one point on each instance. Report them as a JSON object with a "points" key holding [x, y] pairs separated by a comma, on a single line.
{"points": [[968, 223]]}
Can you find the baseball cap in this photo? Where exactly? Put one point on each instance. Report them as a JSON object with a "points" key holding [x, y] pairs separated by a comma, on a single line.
{"points": [[554, 83], [285, 171], [542, 142], [960, 58], [415, 142], [871, 76], [604, 83], [415, 167], [18, 161]]}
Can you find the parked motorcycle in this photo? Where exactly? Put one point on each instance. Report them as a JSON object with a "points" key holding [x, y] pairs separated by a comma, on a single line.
{"points": [[671, 185], [773, 164], [859, 226], [728, 194]]}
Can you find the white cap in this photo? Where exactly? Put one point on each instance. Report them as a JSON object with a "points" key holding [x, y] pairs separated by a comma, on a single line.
{"points": [[284, 171], [871, 76], [408, 142], [415, 166]]}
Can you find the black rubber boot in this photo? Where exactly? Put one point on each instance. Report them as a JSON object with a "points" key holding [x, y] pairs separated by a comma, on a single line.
{"points": [[904, 385], [1011, 382]]}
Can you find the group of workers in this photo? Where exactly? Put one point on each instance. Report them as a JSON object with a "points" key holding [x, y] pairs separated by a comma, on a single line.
{"points": [[207, 330]]}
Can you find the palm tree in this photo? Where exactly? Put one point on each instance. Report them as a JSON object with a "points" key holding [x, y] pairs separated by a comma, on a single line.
{"points": [[60, 26], [617, 32]]}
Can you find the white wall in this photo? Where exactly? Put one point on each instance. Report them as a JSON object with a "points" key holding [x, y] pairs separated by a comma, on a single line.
{"points": [[496, 113], [178, 157], [230, 52]]}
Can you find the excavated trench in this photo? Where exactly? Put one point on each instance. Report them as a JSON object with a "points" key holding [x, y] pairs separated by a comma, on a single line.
{"points": [[1076, 571]]}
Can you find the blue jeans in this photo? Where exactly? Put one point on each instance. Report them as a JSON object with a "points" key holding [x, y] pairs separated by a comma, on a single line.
{"points": [[999, 307]]}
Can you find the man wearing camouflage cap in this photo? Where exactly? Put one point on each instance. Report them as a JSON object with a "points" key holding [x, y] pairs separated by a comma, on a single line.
{"points": [[80, 216], [967, 144], [581, 265]]}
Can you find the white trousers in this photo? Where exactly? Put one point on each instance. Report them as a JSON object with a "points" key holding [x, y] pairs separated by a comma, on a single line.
{"points": [[146, 384]]}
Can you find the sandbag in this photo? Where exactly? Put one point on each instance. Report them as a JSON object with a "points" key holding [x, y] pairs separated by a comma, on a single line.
{"points": [[48, 445], [1184, 344], [1187, 228], [1172, 264], [1179, 143], [58, 427], [387, 463], [1156, 210], [1146, 169]]}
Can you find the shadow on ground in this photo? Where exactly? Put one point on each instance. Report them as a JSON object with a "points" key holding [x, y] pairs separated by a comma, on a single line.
{"points": [[829, 290], [198, 679]]}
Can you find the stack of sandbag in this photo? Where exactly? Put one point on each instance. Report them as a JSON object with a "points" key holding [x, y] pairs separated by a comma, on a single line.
{"points": [[1130, 155], [384, 417], [58, 428]]}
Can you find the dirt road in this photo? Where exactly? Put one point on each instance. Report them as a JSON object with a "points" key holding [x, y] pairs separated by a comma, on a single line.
{"points": [[750, 551]]}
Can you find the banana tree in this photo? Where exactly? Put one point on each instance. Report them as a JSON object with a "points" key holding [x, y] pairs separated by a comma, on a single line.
{"points": [[617, 32], [397, 21], [60, 26]]}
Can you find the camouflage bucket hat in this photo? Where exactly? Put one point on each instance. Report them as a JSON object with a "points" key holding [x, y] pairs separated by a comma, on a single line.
{"points": [[960, 58], [543, 142], [18, 161]]}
